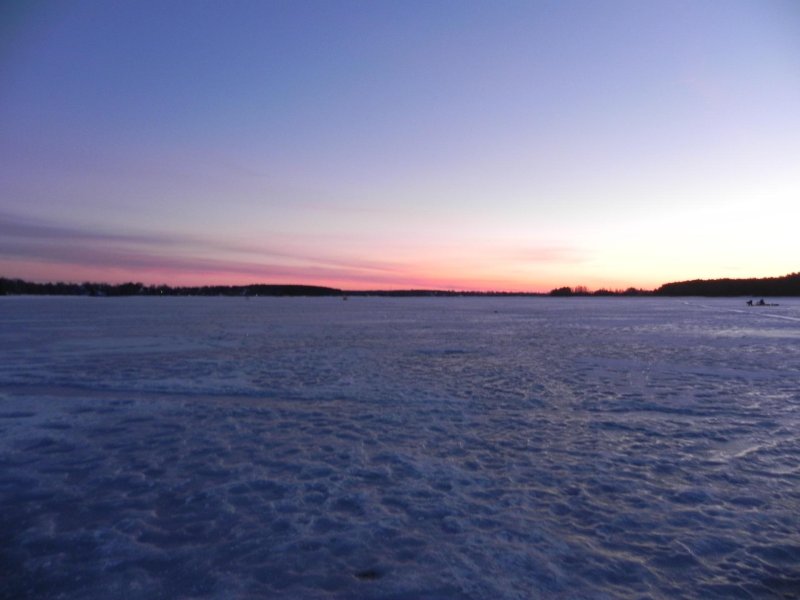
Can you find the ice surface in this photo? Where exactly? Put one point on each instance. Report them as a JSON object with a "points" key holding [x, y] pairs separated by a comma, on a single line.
{"points": [[399, 448]]}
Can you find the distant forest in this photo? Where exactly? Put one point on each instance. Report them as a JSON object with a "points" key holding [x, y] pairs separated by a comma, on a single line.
{"points": [[788, 285], [18, 286], [10, 287]]}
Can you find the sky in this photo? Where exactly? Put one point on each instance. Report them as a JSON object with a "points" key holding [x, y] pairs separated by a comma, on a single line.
{"points": [[516, 146]]}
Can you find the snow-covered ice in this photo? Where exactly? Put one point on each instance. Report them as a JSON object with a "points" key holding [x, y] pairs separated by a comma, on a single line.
{"points": [[399, 448]]}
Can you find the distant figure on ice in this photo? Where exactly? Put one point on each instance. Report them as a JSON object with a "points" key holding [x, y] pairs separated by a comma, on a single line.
{"points": [[749, 303], [761, 302]]}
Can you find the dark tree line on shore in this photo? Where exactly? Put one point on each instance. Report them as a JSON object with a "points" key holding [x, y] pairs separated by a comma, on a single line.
{"points": [[788, 285], [21, 287], [18, 286], [584, 291]]}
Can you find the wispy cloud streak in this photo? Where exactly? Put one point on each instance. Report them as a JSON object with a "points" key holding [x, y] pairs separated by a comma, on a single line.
{"points": [[160, 257], [41, 240]]}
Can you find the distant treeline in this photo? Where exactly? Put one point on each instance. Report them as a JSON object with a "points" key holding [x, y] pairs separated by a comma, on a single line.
{"points": [[18, 286], [584, 291], [788, 285]]}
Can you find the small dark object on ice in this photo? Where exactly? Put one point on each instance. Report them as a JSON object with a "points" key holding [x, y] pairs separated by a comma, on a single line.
{"points": [[760, 303], [368, 574]]}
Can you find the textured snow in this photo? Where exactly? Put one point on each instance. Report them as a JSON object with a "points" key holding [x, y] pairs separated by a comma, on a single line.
{"points": [[399, 448]]}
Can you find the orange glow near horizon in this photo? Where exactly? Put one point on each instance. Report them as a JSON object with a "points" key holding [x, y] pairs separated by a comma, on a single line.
{"points": [[440, 277]]}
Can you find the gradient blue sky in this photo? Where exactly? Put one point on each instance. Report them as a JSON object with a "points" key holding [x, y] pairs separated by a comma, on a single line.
{"points": [[466, 145]]}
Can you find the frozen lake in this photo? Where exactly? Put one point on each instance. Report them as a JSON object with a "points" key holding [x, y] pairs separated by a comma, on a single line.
{"points": [[399, 448]]}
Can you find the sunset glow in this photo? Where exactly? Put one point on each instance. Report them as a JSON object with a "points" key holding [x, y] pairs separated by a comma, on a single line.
{"points": [[454, 145]]}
